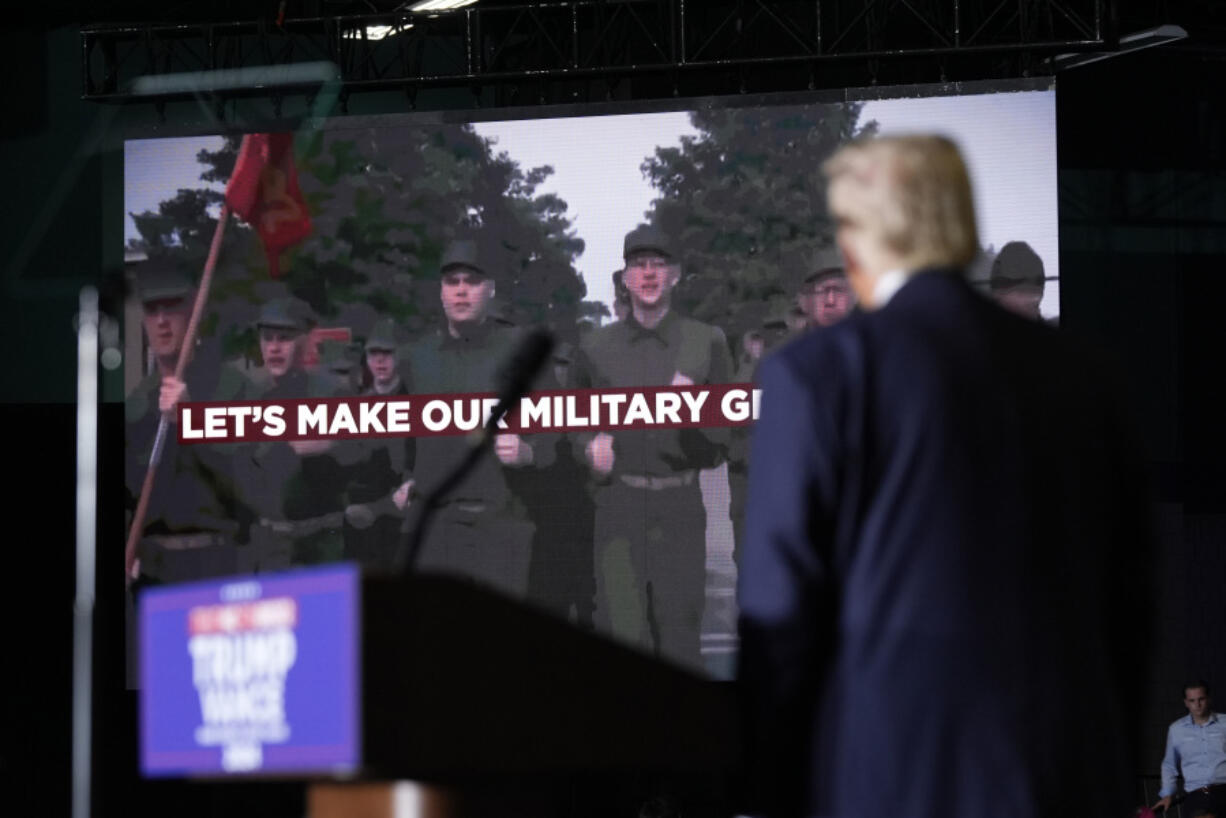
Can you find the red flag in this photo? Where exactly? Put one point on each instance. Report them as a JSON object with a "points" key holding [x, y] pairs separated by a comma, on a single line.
{"points": [[310, 353], [263, 191]]}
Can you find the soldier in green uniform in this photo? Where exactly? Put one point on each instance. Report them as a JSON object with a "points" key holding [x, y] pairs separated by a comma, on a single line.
{"points": [[193, 516], [379, 483], [1017, 279], [824, 297], [481, 529], [650, 524], [297, 487], [560, 577]]}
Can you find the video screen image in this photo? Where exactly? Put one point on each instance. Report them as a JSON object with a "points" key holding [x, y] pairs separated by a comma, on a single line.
{"points": [[408, 255]]}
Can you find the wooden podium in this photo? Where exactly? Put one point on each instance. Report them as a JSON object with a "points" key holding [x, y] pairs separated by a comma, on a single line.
{"points": [[494, 703], [356, 683]]}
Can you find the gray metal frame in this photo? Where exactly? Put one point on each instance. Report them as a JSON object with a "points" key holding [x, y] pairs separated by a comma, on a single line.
{"points": [[600, 43]]}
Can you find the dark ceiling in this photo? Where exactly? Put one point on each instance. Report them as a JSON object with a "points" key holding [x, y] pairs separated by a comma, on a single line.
{"points": [[1204, 19]]}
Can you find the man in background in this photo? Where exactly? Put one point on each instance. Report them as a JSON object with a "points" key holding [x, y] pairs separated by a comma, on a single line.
{"points": [[561, 577], [379, 482], [947, 536], [824, 296], [297, 487], [1017, 279], [192, 522], [1196, 750], [481, 530], [650, 524]]}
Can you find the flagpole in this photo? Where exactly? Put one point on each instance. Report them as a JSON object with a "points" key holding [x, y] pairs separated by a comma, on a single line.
{"points": [[159, 442]]}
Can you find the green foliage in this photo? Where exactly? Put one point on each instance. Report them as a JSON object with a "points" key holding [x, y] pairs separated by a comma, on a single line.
{"points": [[384, 204], [745, 204]]}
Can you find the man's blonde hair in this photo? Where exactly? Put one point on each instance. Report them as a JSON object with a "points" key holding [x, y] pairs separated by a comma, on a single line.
{"points": [[910, 193]]}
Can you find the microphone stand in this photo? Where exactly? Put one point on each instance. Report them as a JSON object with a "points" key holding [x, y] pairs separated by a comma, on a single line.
{"points": [[406, 555], [523, 367]]}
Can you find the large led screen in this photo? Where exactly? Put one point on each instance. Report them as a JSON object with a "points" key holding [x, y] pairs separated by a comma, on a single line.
{"points": [[666, 251]]}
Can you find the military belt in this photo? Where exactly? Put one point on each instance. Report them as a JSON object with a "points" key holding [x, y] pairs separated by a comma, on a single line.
{"points": [[186, 542], [301, 528], [653, 483], [468, 506]]}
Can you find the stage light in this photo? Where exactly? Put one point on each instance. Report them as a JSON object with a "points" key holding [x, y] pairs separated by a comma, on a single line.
{"points": [[227, 79], [1137, 41], [440, 5], [377, 32]]}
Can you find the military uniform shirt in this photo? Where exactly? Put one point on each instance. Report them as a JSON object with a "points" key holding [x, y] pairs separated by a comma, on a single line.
{"points": [[472, 363], [193, 489], [627, 354]]}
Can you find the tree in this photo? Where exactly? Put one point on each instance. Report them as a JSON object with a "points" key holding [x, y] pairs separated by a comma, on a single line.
{"points": [[384, 203], [745, 205]]}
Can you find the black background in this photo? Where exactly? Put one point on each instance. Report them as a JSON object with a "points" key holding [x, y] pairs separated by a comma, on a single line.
{"points": [[1142, 161]]}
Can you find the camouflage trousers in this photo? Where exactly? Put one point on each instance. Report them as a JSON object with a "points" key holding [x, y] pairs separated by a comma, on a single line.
{"points": [[650, 560]]}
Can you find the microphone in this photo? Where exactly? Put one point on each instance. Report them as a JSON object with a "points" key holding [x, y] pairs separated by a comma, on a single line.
{"points": [[515, 379], [517, 376]]}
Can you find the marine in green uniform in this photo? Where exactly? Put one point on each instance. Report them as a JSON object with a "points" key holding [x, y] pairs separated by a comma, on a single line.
{"points": [[823, 295], [296, 487], [559, 504], [1017, 279], [481, 529], [378, 485], [650, 524], [822, 298], [193, 518]]}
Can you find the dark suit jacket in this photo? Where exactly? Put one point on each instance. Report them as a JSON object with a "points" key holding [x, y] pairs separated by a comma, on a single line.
{"points": [[941, 587]]}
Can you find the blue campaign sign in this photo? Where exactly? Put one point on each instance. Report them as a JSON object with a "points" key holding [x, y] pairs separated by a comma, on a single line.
{"points": [[258, 675]]}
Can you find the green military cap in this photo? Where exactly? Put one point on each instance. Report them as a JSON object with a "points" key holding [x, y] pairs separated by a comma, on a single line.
{"points": [[647, 238], [1017, 265], [281, 313], [159, 281], [775, 321], [382, 336], [826, 262], [463, 253]]}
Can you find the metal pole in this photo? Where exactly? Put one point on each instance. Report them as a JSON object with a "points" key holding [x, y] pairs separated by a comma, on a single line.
{"points": [[189, 341], [87, 501]]}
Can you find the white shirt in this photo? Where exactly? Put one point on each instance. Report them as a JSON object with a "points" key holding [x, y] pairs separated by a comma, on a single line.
{"points": [[886, 285]]}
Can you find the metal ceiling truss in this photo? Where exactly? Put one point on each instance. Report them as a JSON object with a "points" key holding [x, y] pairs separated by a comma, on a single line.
{"points": [[509, 47]]}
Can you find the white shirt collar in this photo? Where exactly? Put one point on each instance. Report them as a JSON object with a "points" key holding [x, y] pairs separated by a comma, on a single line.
{"points": [[886, 285]]}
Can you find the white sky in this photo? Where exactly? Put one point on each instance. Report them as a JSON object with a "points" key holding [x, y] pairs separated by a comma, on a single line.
{"points": [[1009, 141], [154, 169], [596, 162], [1009, 144]]}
